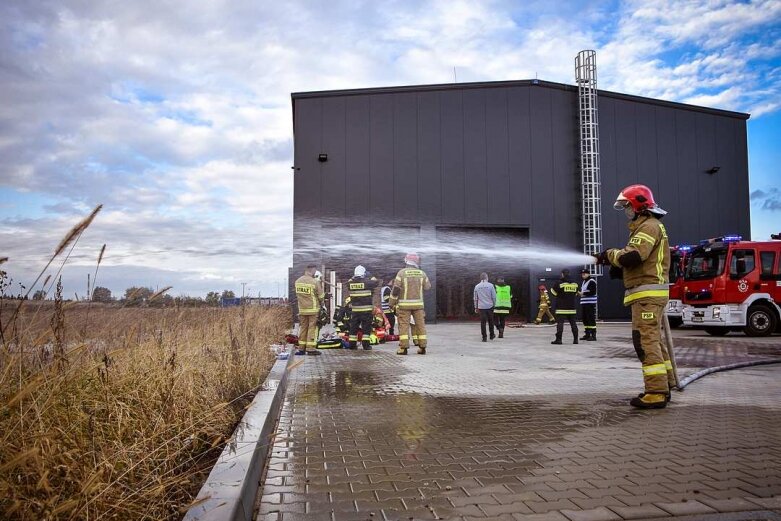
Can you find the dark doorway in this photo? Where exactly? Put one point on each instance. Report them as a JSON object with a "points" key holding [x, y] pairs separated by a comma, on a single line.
{"points": [[465, 252]]}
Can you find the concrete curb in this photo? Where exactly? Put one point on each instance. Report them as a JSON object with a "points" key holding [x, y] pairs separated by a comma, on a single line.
{"points": [[232, 486]]}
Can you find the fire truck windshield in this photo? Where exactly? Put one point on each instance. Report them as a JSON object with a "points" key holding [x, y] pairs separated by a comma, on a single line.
{"points": [[706, 264]]}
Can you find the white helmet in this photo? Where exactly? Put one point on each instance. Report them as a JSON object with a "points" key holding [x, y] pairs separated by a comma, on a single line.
{"points": [[360, 271], [318, 275]]}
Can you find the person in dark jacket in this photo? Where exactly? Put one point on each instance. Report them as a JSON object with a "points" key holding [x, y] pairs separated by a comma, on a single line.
{"points": [[361, 288], [565, 292], [588, 305]]}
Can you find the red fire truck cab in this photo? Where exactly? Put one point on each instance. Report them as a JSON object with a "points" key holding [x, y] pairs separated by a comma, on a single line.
{"points": [[731, 284], [679, 256]]}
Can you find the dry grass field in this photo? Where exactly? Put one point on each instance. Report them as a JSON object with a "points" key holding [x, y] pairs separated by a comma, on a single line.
{"points": [[118, 413]]}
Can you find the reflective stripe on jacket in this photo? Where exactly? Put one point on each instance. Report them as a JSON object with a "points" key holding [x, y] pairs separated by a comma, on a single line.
{"points": [[588, 291], [361, 290], [408, 288]]}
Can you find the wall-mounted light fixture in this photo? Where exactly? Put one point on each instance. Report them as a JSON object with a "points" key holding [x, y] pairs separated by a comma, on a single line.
{"points": [[322, 157], [712, 170]]}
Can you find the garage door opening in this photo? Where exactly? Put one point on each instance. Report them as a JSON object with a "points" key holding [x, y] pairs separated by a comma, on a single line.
{"points": [[457, 273]]}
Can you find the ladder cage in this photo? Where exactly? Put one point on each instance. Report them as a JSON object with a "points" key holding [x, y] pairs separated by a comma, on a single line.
{"points": [[588, 124]]}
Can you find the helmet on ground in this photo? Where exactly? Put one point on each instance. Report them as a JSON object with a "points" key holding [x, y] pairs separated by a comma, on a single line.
{"points": [[412, 258], [639, 198], [360, 271]]}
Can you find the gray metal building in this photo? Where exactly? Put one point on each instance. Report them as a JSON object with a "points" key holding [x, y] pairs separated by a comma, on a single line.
{"points": [[499, 159]]}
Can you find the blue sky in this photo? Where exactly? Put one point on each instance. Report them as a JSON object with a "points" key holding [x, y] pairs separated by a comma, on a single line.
{"points": [[179, 121]]}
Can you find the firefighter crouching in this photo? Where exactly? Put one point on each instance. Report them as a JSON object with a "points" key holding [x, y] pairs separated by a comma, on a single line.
{"points": [[407, 299], [361, 289], [644, 264], [309, 294]]}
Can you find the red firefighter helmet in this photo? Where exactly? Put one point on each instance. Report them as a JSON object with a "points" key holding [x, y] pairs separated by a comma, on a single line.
{"points": [[640, 198], [542, 287], [412, 258]]}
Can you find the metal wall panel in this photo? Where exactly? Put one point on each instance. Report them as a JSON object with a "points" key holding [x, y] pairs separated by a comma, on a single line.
{"points": [[519, 155], [355, 196], [381, 193], [542, 183], [564, 173], [429, 157], [332, 172], [475, 178], [497, 157], [405, 151], [452, 140], [308, 118]]}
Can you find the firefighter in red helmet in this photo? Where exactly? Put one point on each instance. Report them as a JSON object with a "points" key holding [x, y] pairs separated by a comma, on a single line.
{"points": [[644, 264], [407, 299], [544, 302]]}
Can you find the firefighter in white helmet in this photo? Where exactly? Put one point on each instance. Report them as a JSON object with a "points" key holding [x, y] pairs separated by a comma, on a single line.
{"points": [[644, 264], [407, 299], [361, 288]]}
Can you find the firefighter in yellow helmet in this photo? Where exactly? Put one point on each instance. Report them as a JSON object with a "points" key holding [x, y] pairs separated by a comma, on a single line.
{"points": [[309, 294], [644, 264], [407, 299]]}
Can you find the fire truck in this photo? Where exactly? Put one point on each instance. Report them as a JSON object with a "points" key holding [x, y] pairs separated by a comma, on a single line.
{"points": [[679, 255], [732, 285]]}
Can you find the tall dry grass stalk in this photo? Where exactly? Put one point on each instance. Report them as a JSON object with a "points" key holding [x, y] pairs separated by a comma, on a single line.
{"points": [[125, 423]]}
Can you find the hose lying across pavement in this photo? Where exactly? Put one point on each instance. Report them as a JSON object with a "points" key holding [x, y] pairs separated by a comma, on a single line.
{"points": [[699, 374]]}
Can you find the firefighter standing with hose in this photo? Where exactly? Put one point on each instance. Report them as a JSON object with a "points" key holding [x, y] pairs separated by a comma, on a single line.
{"points": [[309, 295], [644, 264], [407, 299]]}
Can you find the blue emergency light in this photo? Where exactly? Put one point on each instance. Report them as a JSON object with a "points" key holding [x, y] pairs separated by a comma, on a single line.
{"points": [[726, 238]]}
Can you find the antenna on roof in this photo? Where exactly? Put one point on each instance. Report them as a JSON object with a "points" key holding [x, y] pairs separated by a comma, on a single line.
{"points": [[455, 78]]}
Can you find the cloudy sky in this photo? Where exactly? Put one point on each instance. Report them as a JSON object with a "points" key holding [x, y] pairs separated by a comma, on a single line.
{"points": [[176, 115]]}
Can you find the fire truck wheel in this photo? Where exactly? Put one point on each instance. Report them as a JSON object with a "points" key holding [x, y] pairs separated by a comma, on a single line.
{"points": [[761, 321], [717, 331], [675, 322]]}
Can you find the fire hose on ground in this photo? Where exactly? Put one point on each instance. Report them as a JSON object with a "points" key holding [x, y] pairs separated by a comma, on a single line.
{"points": [[681, 384]]}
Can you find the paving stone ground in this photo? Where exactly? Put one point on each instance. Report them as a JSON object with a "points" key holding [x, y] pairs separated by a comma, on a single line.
{"points": [[518, 429]]}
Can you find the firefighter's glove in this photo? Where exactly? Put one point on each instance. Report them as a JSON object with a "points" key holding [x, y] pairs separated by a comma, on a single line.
{"points": [[601, 258]]}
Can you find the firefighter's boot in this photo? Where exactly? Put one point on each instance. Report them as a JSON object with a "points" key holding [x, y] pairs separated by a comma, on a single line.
{"points": [[501, 332], [586, 336], [366, 345], [537, 322], [667, 396], [401, 351], [593, 335], [649, 401], [557, 341], [421, 350]]}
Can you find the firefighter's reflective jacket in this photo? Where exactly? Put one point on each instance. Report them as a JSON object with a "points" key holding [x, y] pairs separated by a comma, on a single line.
{"points": [[503, 299], [309, 295], [565, 292], [645, 260], [544, 299], [408, 287], [361, 290]]}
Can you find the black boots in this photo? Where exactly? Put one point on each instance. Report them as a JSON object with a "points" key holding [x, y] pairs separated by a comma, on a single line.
{"points": [[557, 341]]}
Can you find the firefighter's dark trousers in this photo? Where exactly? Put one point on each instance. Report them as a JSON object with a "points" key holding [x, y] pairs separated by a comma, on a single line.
{"points": [[362, 321], [418, 328], [499, 319], [391, 320], [566, 317], [307, 331], [487, 315], [589, 319], [647, 338]]}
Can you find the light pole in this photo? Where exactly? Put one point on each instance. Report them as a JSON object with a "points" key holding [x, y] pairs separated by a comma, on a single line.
{"points": [[242, 292]]}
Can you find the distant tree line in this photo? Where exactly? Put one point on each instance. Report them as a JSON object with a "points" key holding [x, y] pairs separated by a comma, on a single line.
{"points": [[137, 296]]}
